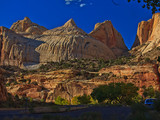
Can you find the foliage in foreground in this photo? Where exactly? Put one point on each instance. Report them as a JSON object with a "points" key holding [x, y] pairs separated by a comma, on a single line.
{"points": [[119, 92], [154, 5]]}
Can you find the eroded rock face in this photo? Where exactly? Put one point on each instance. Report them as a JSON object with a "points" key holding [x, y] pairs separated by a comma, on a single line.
{"points": [[107, 34], [3, 91], [140, 75], [66, 42], [50, 85], [148, 30], [26, 26], [67, 84], [70, 42], [147, 42], [17, 50]]}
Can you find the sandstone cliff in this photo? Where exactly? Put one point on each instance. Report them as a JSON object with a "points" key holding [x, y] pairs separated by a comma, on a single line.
{"points": [[70, 42], [148, 38], [27, 27], [107, 34], [17, 50], [22, 47]]}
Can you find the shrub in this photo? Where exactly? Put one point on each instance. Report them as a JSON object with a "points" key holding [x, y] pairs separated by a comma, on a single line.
{"points": [[8, 84], [158, 59], [149, 92], [121, 92], [23, 80], [75, 101], [85, 99], [147, 60], [15, 83], [34, 83], [61, 101]]}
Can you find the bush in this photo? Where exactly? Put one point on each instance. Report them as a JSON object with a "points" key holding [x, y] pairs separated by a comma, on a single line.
{"points": [[61, 101], [75, 101], [85, 99], [149, 92], [34, 83], [147, 60], [118, 92]]}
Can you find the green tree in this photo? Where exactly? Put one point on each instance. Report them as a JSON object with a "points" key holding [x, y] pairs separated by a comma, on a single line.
{"points": [[122, 92], [154, 5], [99, 93]]}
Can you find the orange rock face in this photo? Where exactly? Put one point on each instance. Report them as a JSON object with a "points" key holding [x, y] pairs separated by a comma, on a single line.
{"points": [[107, 34], [145, 75], [50, 85], [148, 30]]}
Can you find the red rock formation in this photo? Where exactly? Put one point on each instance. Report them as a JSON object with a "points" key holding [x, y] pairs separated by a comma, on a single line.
{"points": [[140, 75], [148, 30], [107, 34]]}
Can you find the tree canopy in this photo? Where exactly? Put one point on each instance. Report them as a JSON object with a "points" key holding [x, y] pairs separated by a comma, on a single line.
{"points": [[121, 92], [154, 5]]}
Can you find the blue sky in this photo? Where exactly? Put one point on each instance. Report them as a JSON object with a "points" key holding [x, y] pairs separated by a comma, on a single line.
{"points": [[86, 13]]}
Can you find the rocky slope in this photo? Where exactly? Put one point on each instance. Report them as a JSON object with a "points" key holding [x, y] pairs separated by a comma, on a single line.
{"points": [[140, 75], [107, 34], [3, 91], [49, 85], [26, 44], [147, 41], [68, 83]]}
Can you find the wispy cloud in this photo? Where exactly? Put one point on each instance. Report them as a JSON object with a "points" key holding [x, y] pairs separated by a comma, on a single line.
{"points": [[80, 3]]}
